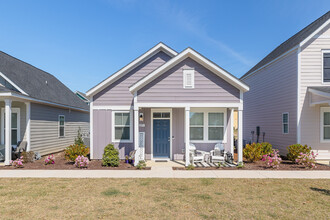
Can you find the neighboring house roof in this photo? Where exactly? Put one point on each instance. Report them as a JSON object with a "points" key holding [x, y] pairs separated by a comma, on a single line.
{"points": [[189, 52], [82, 96], [35, 83], [114, 77], [292, 42]]}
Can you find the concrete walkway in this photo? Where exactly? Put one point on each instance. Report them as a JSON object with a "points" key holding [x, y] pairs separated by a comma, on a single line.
{"points": [[164, 172]]}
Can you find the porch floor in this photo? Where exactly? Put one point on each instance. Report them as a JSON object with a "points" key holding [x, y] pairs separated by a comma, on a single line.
{"points": [[170, 163]]}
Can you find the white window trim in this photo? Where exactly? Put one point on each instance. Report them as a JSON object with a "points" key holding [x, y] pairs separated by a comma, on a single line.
{"points": [[13, 110], [185, 73], [206, 112], [198, 126], [322, 70], [286, 123], [130, 127], [59, 125], [323, 110]]}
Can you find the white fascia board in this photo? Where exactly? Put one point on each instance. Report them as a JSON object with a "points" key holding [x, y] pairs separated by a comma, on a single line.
{"points": [[319, 93], [200, 59], [13, 95], [189, 105], [13, 84], [314, 33], [130, 66]]}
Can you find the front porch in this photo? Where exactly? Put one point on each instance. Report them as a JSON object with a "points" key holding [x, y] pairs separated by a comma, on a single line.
{"points": [[15, 126], [166, 133]]}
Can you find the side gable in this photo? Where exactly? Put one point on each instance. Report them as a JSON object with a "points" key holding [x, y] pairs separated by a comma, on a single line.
{"points": [[208, 87], [118, 93], [132, 65]]}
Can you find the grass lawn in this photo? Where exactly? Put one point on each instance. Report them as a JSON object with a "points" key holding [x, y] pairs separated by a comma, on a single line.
{"points": [[164, 198]]}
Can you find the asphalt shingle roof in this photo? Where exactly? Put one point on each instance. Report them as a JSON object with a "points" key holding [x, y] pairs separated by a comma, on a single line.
{"points": [[38, 83], [291, 42]]}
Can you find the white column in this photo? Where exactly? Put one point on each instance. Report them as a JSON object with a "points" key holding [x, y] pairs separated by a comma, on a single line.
{"points": [[136, 136], [28, 130], [91, 144], [8, 131], [187, 134], [240, 136], [232, 131]]}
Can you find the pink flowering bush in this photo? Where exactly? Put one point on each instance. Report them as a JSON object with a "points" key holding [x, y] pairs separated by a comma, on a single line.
{"points": [[272, 160], [50, 159], [307, 160], [81, 162], [18, 163]]}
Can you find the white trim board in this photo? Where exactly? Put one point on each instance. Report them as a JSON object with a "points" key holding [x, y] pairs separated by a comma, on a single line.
{"points": [[322, 111], [18, 112], [12, 83], [198, 58], [159, 47], [189, 105], [131, 134]]}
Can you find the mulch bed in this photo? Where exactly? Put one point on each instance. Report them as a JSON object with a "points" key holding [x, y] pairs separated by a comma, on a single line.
{"points": [[260, 165], [62, 164]]}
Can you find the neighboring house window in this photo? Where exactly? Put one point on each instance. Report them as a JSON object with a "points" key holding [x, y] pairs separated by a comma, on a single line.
{"points": [[61, 125], [285, 123], [188, 78], [326, 67], [207, 126], [216, 126], [325, 124], [122, 126]]}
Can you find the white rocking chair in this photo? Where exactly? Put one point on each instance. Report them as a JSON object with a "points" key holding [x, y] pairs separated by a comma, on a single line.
{"points": [[218, 154], [196, 155]]}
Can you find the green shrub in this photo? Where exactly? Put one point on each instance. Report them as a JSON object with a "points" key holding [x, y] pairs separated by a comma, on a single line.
{"points": [[141, 165], [240, 165], [79, 140], [110, 156], [73, 151], [253, 152], [190, 167], [267, 148], [295, 150]]}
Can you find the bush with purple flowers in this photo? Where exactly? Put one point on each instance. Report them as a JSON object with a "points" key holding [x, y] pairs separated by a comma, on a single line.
{"points": [[81, 162], [273, 160], [307, 160], [50, 159], [18, 163]]}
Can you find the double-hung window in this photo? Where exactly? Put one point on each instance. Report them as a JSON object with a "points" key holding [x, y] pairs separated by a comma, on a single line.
{"points": [[325, 124], [216, 126], [326, 67], [285, 123], [196, 126], [122, 126], [61, 125]]}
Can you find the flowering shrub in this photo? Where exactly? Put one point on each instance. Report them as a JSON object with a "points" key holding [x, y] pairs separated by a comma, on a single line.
{"points": [[272, 160], [307, 159], [73, 151], [18, 163], [50, 159], [295, 150], [81, 162]]}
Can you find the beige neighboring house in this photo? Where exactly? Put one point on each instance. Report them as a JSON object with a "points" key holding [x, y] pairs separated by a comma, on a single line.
{"points": [[289, 95]]}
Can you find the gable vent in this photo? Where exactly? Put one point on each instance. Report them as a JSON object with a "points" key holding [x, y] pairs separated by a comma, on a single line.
{"points": [[188, 78]]}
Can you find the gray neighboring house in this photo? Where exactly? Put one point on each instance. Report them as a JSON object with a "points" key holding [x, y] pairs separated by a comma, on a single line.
{"points": [[83, 97], [44, 112], [289, 95], [161, 102]]}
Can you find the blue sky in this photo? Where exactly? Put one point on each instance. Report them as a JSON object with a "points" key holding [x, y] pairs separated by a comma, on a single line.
{"points": [[82, 42]]}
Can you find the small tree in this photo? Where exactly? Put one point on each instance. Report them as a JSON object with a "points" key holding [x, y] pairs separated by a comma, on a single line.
{"points": [[79, 140], [110, 156]]}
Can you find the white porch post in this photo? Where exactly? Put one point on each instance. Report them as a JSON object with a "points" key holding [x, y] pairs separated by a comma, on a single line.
{"points": [[136, 136], [8, 131], [232, 131], [187, 135], [240, 136], [28, 131]]}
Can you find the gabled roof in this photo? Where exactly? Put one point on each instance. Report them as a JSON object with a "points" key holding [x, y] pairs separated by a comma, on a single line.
{"points": [[35, 83], [189, 52], [114, 77], [298, 39], [82, 96]]}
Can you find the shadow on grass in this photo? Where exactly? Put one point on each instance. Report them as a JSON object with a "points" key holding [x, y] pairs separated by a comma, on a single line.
{"points": [[114, 192], [323, 191]]}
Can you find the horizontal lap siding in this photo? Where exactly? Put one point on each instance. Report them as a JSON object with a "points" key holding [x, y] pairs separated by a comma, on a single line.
{"points": [[311, 75], [169, 87], [273, 91], [118, 92], [44, 128]]}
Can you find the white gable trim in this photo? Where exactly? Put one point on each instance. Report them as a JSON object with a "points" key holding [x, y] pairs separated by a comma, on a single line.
{"points": [[12, 83], [314, 33], [197, 57], [130, 66]]}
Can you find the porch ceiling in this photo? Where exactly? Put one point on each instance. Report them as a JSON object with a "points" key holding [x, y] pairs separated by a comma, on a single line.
{"points": [[319, 95]]}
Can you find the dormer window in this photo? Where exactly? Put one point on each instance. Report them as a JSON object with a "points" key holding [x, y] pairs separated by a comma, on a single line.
{"points": [[188, 78], [326, 67]]}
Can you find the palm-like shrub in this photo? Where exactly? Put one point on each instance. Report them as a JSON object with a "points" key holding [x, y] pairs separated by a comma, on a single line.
{"points": [[73, 151], [295, 150], [253, 152], [110, 156]]}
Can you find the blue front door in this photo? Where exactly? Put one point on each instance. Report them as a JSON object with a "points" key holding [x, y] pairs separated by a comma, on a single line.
{"points": [[161, 138]]}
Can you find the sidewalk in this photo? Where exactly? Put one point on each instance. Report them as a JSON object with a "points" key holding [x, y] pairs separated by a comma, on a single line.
{"points": [[164, 172]]}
